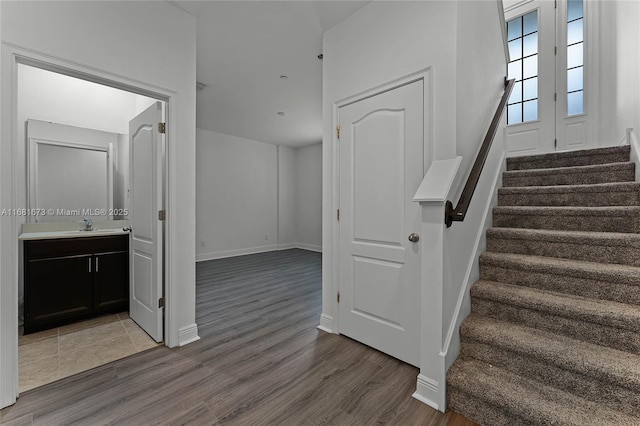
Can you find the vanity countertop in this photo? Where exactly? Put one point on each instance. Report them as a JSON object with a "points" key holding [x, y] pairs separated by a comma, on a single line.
{"points": [[47, 231]]}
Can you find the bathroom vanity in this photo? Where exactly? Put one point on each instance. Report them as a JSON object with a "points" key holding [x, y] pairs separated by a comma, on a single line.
{"points": [[74, 275]]}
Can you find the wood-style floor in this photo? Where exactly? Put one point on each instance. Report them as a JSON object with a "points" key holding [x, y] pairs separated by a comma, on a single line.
{"points": [[261, 361]]}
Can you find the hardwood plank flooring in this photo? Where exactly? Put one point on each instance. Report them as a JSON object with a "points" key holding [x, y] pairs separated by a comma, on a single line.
{"points": [[260, 361]]}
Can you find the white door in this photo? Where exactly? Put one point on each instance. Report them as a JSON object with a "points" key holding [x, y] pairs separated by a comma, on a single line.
{"points": [[145, 183], [547, 110], [531, 109], [381, 167]]}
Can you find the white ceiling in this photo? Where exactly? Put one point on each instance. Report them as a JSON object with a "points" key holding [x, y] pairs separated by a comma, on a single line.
{"points": [[244, 47]]}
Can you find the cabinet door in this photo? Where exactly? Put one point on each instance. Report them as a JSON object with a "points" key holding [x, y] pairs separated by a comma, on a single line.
{"points": [[111, 282], [57, 289]]}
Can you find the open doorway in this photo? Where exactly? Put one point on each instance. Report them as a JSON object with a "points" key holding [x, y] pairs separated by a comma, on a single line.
{"points": [[90, 168]]}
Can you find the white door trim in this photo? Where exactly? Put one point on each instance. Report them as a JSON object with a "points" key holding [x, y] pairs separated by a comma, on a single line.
{"points": [[330, 318], [12, 55]]}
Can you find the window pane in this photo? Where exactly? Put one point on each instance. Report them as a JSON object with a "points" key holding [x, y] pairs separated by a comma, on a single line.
{"points": [[574, 10], [574, 55], [530, 22], [574, 31], [516, 93], [530, 90], [530, 44], [530, 67], [514, 114], [530, 110], [515, 49], [515, 70], [574, 79], [514, 28], [575, 103]]}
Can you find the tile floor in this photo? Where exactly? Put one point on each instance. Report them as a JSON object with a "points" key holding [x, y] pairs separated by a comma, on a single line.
{"points": [[50, 355]]}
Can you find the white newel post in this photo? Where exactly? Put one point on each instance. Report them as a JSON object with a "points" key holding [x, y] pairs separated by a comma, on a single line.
{"points": [[432, 196]]}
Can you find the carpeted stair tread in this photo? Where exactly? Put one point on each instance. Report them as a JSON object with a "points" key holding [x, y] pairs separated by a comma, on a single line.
{"points": [[595, 361], [601, 194], [597, 325], [611, 247], [570, 158], [515, 397], [596, 311], [629, 275], [575, 175], [599, 219]]}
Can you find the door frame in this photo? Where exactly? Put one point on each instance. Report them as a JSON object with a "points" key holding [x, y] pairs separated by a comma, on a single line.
{"points": [[330, 318], [13, 55]]}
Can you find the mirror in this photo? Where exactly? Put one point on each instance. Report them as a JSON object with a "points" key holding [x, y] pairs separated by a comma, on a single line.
{"points": [[72, 173]]}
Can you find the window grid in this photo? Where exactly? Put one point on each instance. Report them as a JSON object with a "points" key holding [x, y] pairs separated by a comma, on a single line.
{"points": [[575, 58], [522, 39]]}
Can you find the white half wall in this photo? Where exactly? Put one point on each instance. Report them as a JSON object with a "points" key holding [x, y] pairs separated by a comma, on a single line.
{"points": [[150, 45], [308, 200]]}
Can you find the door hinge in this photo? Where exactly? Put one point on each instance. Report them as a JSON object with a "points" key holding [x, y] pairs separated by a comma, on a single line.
{"points": [[161, 215], [162, 128], [555, 50], [338, 297], [555, 4], [338, 214], [161, 302], [338, 131], [555, 97], [555, 143]]}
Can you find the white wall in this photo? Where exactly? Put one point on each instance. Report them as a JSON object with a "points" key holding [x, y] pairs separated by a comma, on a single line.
{"points": [[237, 204], [308, 198], [627, 60], [287, 182], [254, 197], [146, 44]]}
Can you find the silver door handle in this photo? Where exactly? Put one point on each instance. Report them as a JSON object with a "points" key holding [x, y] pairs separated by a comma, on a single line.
{"points": [[414, 238], [97, 263], [89, 265]]}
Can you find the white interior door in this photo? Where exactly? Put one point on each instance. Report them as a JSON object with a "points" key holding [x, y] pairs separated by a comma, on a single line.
{"points": [[381, 167], [145, 182], [531, 109]]}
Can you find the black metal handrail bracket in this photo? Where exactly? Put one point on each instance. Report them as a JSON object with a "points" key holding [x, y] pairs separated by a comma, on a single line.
{"points": [[458, 213]]}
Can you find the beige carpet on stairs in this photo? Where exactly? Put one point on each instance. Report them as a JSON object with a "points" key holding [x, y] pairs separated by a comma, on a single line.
{"points": [[553, 337]]}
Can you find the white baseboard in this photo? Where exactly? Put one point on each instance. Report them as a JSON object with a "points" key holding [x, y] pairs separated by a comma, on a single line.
{"points": [[287, 246], [326, 323], [310, 247], [188, 334], [428, 392], [233, 253]]}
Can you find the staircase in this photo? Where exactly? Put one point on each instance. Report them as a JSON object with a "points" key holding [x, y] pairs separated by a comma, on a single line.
{"points": [[553, 337]]}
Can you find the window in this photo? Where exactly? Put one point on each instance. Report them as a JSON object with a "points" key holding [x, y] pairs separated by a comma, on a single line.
{"points": [[522, 38], [575, 59]]}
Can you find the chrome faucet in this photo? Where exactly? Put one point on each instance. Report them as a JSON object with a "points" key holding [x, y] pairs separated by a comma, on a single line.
{"points": [[88, 225]]}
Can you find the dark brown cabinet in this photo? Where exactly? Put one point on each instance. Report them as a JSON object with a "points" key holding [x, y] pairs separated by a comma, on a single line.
{"points": [[66, 280]]}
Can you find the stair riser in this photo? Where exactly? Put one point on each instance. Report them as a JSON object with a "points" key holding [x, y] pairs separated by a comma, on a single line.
{"points": [[618, 175], [619, 254], [588, 387], [595, 288], [626, 198], [565, 222], [480, 411], [624, 339], [580, 160]]}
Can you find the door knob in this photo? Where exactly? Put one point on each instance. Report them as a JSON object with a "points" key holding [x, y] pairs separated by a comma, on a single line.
{"points": [[414, 238], [127, 229]]}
